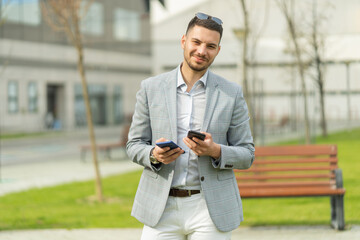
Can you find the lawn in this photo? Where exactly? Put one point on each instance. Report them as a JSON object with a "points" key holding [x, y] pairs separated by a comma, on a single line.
{"points": [[68, 206]]}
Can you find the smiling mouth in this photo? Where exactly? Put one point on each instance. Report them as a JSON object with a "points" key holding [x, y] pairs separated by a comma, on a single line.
{"points": [[199, 59]]}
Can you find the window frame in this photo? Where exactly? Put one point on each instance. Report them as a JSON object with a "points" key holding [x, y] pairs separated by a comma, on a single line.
{"points": [[32, 99], [129, 29], [13, 99], [23, 12]]}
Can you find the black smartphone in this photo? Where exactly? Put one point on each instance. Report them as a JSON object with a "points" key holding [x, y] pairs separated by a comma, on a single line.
{"points": [[196, 134], [170, 144]]}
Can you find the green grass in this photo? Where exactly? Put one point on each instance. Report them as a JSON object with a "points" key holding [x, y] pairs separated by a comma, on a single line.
{"points": [[7, 136], [67, 206]]}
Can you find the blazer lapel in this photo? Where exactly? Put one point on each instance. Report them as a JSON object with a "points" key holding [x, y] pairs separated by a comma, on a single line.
{"points": [[169, 90], [212, 94]]}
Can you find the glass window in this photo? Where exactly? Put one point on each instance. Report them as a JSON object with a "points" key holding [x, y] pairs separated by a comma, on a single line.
{"points": [[118, 105], [93, 23], [22, 11], [13, 95], [127, 25], [97, 98], [32, 97]]}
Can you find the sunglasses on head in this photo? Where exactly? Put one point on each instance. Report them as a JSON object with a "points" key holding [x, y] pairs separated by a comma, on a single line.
{"points": [[204, 16]]}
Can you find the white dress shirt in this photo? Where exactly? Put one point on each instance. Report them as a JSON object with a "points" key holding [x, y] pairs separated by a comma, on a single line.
{"points": [[190, 115]]}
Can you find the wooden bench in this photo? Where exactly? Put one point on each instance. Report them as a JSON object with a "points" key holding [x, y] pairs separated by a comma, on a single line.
{"points": [[296, 171], [106, 147]]}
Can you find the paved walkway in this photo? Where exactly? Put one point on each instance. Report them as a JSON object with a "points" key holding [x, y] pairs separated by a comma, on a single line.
{"points": [[20, 177], [242, 233]]}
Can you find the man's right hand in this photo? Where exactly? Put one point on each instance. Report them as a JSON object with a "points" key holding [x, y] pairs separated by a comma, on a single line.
{"points": [[165, 155]]}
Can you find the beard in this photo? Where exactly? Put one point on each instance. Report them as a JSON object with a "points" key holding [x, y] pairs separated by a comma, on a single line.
{"points": [[196, 67]]}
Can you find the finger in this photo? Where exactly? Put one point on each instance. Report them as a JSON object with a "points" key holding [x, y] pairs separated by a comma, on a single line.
{"points": [[172, 157], [197, 141], [187, 141], [207, 134], [169, 153], [161, 140], [160, 150], [191, 142], [174, 151]]}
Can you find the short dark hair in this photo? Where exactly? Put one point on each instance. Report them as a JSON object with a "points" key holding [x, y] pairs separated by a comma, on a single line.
{"points": [[206, 23]]}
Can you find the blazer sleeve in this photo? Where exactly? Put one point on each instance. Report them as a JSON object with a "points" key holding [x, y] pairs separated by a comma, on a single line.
{"points": [[139, 142], [239, 153]]}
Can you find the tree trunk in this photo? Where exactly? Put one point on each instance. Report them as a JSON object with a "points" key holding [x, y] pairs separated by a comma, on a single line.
{"points": [[79, 48], [319, 71], [323, 117], [304, 92], [291, 26], [245, 62], [320, 83], [64, 16], [98, 184]]}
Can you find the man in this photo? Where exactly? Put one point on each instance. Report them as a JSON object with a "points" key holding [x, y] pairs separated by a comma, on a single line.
{"points": [[190, 192]]}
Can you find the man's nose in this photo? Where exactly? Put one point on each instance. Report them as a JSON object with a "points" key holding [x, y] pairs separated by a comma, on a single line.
{"points": [[201, 49]]}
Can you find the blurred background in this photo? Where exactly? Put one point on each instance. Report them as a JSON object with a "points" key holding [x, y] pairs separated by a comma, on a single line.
{"points": [[40, 84], [128, 41]]}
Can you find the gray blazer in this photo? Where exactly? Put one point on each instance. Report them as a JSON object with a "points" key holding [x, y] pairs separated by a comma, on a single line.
{"points": [[226, 118]]}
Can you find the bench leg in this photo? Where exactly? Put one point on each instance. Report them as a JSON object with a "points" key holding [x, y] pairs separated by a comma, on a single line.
{"points": [[337, 212]]}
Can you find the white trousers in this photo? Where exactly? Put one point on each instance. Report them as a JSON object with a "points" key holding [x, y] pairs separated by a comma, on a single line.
{"points": [[185, 218]]}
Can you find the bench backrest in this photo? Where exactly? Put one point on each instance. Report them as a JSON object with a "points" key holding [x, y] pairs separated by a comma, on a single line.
{"points": [[300, 166]]}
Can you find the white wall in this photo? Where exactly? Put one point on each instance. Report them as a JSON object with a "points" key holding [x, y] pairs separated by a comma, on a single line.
{"points": [[343, 37]]}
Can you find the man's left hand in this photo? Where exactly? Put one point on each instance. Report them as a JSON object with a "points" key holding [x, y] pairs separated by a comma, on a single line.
{"points": [[204, 148]]}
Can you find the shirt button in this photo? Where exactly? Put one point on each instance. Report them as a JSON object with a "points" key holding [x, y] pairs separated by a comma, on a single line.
{"points": [[202, 179]]}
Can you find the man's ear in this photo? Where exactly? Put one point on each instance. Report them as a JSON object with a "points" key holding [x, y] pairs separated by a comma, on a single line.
{"points": [[183, 40], [219, 47]]}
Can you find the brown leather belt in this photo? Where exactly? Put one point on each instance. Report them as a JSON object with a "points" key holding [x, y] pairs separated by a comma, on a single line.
{"points": [[182, 193]]}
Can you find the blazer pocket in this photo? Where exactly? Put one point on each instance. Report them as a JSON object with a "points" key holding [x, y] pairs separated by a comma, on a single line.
{"points": [[150, 173], [225, 174]]}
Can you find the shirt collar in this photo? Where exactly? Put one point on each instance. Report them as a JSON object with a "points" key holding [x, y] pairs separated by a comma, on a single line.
{"points": [[181, 82]]}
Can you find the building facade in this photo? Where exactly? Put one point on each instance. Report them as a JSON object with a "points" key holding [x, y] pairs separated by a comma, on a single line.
{"points": [[40, 87], [274, 81]]}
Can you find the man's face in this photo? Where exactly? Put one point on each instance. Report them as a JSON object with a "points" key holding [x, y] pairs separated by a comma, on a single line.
{"points": [[201, 46]]}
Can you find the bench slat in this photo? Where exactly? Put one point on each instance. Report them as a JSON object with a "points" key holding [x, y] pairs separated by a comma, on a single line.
{"points": [[290, 192], [295, 160], [287, 176], [286, 184], [298, 150], [281, 169]]}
